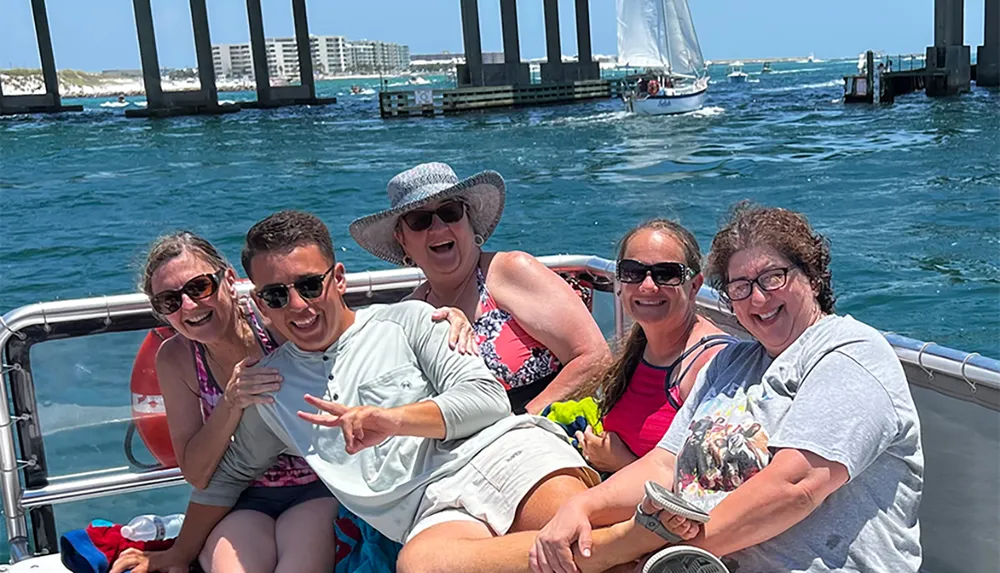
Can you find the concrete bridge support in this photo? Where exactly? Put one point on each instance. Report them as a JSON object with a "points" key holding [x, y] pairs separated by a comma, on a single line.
{"points": [[587, 68], [517, 74], [269, 96], [49, 102], [161, 103], [554, 70], [988, 55], [471, 73], [948, 60], [474, 72]]}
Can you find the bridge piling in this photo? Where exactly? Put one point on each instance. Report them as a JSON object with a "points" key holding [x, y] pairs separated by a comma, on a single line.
{"points": [[988, 55], [50, 101]]}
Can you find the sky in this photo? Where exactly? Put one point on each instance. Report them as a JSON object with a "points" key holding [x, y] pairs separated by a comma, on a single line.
{"points": [[96, 35]]}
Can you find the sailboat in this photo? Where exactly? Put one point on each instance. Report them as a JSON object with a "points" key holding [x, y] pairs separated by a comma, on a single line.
{"points": [[658, 36]]}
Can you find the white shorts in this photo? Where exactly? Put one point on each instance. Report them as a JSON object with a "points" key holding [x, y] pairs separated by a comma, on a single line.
{"points": [[492, 485]]}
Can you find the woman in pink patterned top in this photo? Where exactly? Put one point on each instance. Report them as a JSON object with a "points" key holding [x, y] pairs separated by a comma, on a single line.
{"points": [[285, 519], [659, 269]]}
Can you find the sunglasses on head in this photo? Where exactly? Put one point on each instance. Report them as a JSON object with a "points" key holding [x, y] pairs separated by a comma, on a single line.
{"points": [[309, 287], [664, 274], [199, 287], [421, 220]]}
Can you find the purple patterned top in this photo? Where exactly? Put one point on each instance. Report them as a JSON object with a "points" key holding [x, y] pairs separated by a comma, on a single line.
{"points": [[289, 470]]}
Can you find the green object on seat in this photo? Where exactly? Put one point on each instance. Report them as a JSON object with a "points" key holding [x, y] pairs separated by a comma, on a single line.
{"points": [[574, 416]]}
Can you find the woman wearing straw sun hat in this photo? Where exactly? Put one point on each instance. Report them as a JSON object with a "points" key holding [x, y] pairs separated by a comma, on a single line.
{"points": [[533, 331]]}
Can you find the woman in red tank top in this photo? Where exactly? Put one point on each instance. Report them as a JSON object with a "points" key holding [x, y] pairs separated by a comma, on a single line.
{"points": [[659, 269]]}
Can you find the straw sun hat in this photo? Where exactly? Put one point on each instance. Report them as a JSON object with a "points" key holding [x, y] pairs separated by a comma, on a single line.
{"points": [[483, 194]]}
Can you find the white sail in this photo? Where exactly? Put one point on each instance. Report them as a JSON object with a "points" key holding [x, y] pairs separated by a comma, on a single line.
{"points": [[658, 34], [641, 38], [685, 52]]}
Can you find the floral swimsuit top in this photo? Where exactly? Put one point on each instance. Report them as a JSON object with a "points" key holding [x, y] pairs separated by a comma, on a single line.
{"points": [[522, 364], [289, 470]]}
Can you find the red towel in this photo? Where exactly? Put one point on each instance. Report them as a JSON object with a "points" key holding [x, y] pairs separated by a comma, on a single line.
{"points": [[111, 543]]}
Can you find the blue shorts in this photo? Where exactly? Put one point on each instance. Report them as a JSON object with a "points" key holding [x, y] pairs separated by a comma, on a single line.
{"points": [[273, 501]]}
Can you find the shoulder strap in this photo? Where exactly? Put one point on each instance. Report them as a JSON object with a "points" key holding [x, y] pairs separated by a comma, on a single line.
{"points": [[205, 378], [264, 339], [701, 346]]}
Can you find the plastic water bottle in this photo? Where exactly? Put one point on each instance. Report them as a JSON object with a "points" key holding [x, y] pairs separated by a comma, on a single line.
{"points": [[153, 527]]}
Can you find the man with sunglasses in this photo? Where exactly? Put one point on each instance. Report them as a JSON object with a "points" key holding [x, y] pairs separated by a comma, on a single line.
{"points": [[415, 439]]}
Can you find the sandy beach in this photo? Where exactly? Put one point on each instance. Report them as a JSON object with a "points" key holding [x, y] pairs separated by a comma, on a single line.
{"points": [[83, 84], [79, 84]]}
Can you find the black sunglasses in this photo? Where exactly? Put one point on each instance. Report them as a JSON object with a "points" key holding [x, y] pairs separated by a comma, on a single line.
{"points": [[421, 220], [309, 287], [664, 274], [199, 287]]}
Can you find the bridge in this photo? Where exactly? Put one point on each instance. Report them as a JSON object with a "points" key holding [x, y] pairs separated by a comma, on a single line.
{"points": [[948, 69]]}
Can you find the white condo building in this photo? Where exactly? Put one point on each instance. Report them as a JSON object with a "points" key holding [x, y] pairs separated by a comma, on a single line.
{"points": [[330, 55]]}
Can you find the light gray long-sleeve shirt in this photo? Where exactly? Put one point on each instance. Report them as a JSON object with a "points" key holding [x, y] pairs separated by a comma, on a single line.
{"points": [[391, 356]]}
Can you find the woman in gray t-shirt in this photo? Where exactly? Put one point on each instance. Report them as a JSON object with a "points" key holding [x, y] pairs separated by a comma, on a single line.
{"points": [[803, 445]]}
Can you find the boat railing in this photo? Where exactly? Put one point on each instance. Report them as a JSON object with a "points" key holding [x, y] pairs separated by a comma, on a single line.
{"points": [[29, 492]]}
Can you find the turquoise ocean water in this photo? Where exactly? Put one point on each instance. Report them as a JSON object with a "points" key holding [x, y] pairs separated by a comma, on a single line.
{"points": [[908, 194]]}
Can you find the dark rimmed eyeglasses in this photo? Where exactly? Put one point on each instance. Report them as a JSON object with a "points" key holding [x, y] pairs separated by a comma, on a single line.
{"points": [[740, 289], [309, 287], [422, 219], [199, 287], [664, 274]]}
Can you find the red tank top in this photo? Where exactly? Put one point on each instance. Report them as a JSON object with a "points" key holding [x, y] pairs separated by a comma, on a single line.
{"points": [[652, 398], [643, 414]]}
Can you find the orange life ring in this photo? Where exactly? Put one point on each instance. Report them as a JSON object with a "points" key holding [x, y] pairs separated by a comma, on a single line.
{"points": [[654, 87], [148, 413]]}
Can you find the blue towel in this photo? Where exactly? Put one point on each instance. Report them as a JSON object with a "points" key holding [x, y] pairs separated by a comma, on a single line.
{"points": [[80, 555], [372, 553]]}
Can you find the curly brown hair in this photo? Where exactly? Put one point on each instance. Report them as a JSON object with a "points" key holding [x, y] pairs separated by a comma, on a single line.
{"points": [[787, 232], [609, 386]]}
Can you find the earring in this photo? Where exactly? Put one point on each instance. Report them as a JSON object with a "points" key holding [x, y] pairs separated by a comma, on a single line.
{"points": [[407, 261], [478, 240]]}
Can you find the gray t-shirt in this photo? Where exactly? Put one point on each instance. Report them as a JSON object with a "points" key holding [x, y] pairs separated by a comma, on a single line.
{"points": [[839, 392]]}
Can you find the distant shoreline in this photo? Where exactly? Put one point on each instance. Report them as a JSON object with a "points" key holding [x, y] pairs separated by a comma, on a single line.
{"points": [[76, 84]]}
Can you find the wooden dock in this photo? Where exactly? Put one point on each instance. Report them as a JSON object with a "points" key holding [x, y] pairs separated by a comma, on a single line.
{"points": [[861, 88], [431, 102]]}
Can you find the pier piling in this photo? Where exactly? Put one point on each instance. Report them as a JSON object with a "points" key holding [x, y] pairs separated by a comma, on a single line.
{"points": [[472, 73], [551, 68], [269, 96], [988, 55], [517, 74], [161, 103], [50, 101], [948, 60]]}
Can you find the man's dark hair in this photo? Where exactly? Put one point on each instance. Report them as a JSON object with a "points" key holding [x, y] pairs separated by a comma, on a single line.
{"points": [[283, 231]]}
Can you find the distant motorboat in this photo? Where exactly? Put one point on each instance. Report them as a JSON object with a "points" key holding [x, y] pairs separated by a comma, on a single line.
{"points": [[419, 81], [120, 102], [766, 69], [736, 73], [659, 36]]}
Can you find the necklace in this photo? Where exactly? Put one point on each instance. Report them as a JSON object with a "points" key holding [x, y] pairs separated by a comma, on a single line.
{"points": [[465, 285]]}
